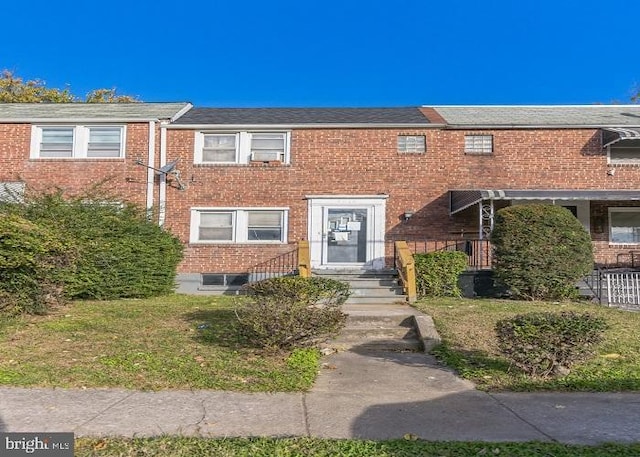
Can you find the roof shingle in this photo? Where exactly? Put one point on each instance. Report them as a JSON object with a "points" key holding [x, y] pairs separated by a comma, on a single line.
{"points": [[302, 116]]}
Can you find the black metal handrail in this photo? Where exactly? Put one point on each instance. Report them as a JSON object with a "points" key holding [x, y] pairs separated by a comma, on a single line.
{"points": [[594, 282], [282, 265], [479, 252]]}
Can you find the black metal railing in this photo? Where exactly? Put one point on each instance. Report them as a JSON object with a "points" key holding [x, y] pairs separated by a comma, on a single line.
{"points": [[479, 252], [594, 282], [282, 265]]}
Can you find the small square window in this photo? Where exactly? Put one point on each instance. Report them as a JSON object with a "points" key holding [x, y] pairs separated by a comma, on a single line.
{"points": [[412, 144], [478, 144]]}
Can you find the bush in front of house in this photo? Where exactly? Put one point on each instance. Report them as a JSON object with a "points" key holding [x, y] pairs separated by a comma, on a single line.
{"points": [[120, 253], [540, 251], [292, 312], [34, 262], [437, 273], [549, 344]]}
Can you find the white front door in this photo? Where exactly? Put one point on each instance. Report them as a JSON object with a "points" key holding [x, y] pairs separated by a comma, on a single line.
{"points": [[347, 232]]}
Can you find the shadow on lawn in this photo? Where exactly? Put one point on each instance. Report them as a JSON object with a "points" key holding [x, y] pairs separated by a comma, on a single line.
{"points": [[217, 327]]}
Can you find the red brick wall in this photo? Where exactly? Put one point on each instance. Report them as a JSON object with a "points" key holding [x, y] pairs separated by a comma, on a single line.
{"points": [[335, 162], [121, 178], [366, 161]]}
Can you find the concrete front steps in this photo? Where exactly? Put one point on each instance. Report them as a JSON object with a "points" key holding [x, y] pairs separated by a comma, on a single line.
{"points": [[385, 328], [368, 286]]}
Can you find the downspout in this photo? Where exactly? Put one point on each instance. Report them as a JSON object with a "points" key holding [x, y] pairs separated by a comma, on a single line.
{"points": [[162, 198], [150, 172]]}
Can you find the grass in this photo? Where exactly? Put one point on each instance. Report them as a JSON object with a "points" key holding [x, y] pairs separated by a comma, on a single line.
{"points": [[173, 342], [470, 346], [311, 447]]}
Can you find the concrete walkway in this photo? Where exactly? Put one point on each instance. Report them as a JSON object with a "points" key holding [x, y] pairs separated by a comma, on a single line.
{"points": [[359, 394]]}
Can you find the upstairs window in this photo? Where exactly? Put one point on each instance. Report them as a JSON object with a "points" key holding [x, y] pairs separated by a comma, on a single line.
{"points": [[77, 142], [412, 144], [625, 152], [266, 147], [241, 147], [219, 148], [478, 144], [56, 142]]}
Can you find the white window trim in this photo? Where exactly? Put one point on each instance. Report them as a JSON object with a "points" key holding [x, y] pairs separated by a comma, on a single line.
{"points": [[625, 209], [240, 225], [243, 145], [80, 141]]}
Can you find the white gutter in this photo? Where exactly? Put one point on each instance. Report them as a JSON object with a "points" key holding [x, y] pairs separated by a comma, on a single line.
{"points": [[180, 113], [151, 160], [162, 198]]}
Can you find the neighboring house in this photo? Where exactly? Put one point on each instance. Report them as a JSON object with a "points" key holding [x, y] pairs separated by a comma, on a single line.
{"points": [[244, 186], [77, 146]]}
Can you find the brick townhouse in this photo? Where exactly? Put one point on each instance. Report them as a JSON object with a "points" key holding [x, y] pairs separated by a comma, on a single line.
{"points": [[244, 186]]}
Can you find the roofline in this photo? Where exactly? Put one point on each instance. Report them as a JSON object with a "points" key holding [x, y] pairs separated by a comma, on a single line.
{"points": [[71, 120], [536, 126], [532, 106], [302, 126]]}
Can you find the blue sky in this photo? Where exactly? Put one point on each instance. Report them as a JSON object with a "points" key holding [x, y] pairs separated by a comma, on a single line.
{"points": [[330, 53]]}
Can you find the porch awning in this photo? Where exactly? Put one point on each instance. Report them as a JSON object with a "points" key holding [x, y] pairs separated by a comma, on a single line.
{"points": [[462, 199], [612, 135]]}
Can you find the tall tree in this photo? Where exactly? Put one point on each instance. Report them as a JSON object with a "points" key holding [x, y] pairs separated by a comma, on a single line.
{"points": [[13, 89]]}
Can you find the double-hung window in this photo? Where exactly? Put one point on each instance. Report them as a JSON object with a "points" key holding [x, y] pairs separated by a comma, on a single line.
{"points": [[77, 141], [624, 225], [241, 147], [232, 225]]}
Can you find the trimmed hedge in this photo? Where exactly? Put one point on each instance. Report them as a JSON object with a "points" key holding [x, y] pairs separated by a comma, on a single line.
{"points": [[540, 251], [549, 344], [437, 273], [292, 312]]}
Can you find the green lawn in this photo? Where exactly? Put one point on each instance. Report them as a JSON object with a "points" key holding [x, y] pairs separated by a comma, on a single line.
{"points": [[171, 342], [470, 345], [311, 447]]}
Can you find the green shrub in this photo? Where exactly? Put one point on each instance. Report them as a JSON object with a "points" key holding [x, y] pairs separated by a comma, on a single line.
{"points": [[541, 251], [33, 264], [437, 273], [291, 311], [120, 253], [546, 344]]}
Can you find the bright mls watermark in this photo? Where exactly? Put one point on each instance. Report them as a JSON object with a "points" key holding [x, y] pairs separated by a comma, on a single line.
{"points": [[37, 444]]}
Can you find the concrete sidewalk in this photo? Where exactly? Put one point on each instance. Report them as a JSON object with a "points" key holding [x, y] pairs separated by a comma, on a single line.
{"points": [[358, 394]]}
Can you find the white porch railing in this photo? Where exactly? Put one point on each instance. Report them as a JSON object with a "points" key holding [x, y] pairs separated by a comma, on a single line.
{"points": [[623, 289]]}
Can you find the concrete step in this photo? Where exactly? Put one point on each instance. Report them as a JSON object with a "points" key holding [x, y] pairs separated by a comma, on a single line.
{"points": [[377, 345], [375, 299], [396, 332], [375, 291]]}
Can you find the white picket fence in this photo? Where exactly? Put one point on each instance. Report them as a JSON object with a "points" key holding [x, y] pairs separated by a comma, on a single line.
{"points": [[623, 289]]}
